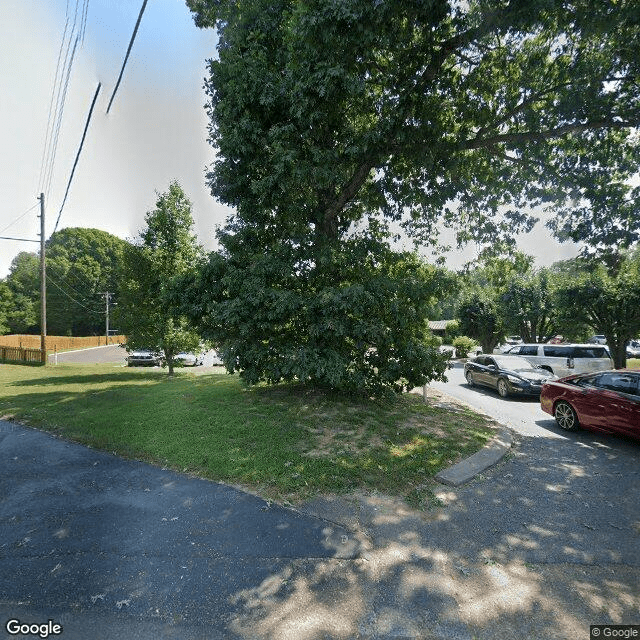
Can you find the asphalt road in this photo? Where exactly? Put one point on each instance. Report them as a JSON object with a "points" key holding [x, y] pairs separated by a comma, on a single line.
{"points": [[540, 546], [111, 354], [522, 414], [94, 355]]}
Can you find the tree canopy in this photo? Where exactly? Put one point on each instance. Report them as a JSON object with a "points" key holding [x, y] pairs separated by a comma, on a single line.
{"points": [[610, 304], [23, 292], [81, 265], [327, 113], [334, 121], [165, 251]]}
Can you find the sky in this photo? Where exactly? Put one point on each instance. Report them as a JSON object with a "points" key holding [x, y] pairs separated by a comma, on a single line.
{"points": [[155, 132]]}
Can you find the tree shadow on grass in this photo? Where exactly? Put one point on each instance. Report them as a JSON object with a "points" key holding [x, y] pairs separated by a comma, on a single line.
{"points": [[543, 545], [546, 544], [157, 376]]}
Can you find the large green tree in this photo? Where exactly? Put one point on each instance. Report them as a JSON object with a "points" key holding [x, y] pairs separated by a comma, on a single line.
{"points": [[608, 303], [528, 307], [82, 264], [166, 251], [332, 120], [23, 282], [324, 113], [480, 319]]}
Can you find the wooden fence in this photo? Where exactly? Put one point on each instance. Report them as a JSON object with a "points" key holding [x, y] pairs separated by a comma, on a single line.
{"points": [[26, 348], [58, 342], [21, 354]]}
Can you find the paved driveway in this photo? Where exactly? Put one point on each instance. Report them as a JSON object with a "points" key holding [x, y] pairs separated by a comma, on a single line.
{"points": [[521, 414], [541, 546], [110, 548]]}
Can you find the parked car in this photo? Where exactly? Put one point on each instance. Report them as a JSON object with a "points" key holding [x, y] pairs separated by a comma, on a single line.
{"points": [[607, 401], [184, 359], [144, 358], [597, 339], [509, 342], [633, 349], [507, 374], [565, 359]]}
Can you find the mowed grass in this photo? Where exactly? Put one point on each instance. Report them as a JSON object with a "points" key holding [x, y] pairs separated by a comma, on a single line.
{"points": [[287, 443]]}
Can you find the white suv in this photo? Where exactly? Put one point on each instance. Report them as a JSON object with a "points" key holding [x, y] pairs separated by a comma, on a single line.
{"points": [[565, 359]]}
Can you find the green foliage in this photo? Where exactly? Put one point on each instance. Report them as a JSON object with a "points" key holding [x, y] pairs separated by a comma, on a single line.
{"points": [[528, 308], [333, 112], [332, 120], [23, 282], [166, 252], [451, 332], [355, 322], [6, 305], [609, 304], [464, 345], [480, 319], [81, 265]]}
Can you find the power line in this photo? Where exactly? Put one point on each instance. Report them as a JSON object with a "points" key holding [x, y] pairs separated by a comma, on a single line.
{"points": [[57, 286], [65, 279], [84, 134], [124, 64], [53, 93], [18, 239], [85, 13], [60, 88], [60, 114], [19, 218]]}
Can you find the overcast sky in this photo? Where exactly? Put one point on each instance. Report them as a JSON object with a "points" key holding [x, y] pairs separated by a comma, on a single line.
{"points": [[154, 133]]}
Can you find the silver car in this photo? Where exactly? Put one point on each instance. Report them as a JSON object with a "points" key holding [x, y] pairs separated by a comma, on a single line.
{"points": [[143, 358]]}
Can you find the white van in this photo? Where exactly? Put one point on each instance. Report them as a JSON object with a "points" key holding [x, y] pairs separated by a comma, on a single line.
{"points": [[565, 359]]}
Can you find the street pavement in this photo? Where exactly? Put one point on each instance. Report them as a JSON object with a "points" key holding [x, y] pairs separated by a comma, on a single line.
{"points": [[540, 546], [117, 355], [522, 414]]}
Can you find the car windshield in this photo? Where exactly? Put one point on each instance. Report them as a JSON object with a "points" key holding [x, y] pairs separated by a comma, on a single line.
{"points": [[514, 364]]}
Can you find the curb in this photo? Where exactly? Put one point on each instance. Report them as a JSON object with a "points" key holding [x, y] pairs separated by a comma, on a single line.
{"points": [[489, 455]]}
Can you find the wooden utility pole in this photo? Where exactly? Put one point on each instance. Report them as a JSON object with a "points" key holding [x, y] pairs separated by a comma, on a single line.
{"points": [[107, 297], [43, 285]]}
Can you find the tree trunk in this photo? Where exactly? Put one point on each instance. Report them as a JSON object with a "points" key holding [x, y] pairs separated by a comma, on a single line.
{"points": [[618, 350], [169, 358]]}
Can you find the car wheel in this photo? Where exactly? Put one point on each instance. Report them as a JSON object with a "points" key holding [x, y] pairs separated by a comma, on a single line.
{"points": [[566, 416], [503, 389], [469, 377]]}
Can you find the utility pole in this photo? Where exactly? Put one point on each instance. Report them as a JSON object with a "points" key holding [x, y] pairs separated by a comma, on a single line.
{"points": [[43, 285], [107, 297]]}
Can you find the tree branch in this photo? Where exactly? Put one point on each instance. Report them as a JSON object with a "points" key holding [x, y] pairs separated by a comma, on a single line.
{"points": [[537, 136]]}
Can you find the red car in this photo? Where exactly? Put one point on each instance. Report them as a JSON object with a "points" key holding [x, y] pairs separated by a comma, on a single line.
{"points": [[603, 401]]}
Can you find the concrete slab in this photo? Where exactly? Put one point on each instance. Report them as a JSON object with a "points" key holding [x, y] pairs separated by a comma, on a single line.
{"points": [[470, 467]]}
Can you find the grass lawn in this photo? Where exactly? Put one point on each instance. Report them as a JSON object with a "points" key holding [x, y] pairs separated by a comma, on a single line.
{"points": [[286, 443]]}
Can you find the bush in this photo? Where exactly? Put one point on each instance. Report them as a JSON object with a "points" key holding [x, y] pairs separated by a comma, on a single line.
{"points": [[464, 344], [451, 332]]}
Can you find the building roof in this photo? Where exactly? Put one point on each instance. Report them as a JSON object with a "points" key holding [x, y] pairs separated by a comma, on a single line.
{"points": [[439, 325]]}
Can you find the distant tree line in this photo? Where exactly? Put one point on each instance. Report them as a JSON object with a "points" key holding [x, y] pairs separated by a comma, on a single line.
{"points": [[82, 264], [574, 298]]}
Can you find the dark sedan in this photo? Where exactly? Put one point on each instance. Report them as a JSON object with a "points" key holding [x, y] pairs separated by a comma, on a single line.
{"points": [[510, 375], [605, 401]]}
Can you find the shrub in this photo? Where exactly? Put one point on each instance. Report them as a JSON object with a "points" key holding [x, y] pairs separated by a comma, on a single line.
{"points": [[464, 344], [451, 332]]}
